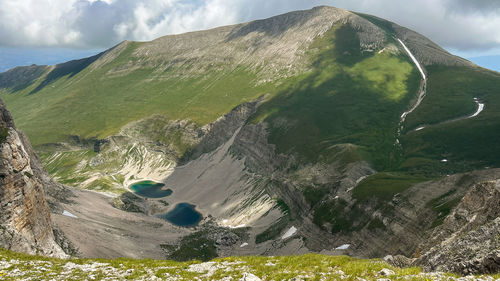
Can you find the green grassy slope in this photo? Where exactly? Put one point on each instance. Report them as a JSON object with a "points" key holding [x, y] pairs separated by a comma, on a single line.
{"points": [[343, 106], [93, 103], [14, 266], [466, 144], [348, 97]]}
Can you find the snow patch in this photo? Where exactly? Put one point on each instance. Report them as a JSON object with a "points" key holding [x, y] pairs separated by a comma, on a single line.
{"points": [[225, 222], [238, 226], [359, 180], [422, 93], [414, 59], [343, 247], [289, 232], [480, 107], [68, 214]]}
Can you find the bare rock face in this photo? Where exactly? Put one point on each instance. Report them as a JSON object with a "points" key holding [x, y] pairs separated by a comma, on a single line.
{"points": [[468, 242], [25, 223]]}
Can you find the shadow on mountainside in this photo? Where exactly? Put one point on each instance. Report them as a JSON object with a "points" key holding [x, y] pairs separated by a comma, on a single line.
{"points": [[70, 68], [21, 77]]}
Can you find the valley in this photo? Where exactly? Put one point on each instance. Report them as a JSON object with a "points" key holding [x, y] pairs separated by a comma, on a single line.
{"points": [[322, 131]]}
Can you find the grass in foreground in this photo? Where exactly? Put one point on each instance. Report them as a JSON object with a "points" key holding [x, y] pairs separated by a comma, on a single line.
{"points": [[16, 266]]}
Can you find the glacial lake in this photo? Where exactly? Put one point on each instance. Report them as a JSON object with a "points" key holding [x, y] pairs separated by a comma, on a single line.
{"points": [[150, 189], [184, 214]]}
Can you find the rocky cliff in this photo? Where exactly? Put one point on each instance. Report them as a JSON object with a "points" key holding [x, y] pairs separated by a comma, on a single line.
{"points": [[25, 223], [468, 241]]}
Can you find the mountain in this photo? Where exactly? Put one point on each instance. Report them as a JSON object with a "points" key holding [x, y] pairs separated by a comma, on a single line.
{"points": [[321, 130]]}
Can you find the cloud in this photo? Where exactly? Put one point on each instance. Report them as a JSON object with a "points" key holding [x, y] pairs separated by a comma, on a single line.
{"points": [[468, 6], [457, 24]]}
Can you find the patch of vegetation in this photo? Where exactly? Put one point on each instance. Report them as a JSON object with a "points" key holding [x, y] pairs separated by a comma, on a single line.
{"points": [[314, 195], [130, 202], [4, 132], [64, 164], [443, 210], [158, 128], [443, 205], [165, 203], [28, 174], [383, 186], [376, 223], [344, 154], [202, 245], [196, 246], [339, 216], [285, 209], [105, 184], [314, 266]]}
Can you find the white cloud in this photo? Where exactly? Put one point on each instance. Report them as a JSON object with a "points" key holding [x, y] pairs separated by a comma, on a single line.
{"points": [[456, 24]]}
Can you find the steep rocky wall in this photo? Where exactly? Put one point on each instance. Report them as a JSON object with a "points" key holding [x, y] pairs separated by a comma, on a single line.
{"points": [[468, 242], [25, 223], [220, 131]]}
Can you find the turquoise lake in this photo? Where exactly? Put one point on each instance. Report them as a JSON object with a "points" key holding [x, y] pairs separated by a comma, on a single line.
{"points": [[150, 189]]}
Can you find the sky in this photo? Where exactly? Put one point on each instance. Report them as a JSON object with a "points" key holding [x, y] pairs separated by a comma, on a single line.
{"points": [[53, 31]]}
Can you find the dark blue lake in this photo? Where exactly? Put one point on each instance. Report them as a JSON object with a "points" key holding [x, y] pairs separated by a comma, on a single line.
{"points": [[184, 214], [150, 189]]}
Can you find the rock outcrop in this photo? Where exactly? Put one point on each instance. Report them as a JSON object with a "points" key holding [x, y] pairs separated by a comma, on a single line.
{"points": [[468, 242], [25, 223]]}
